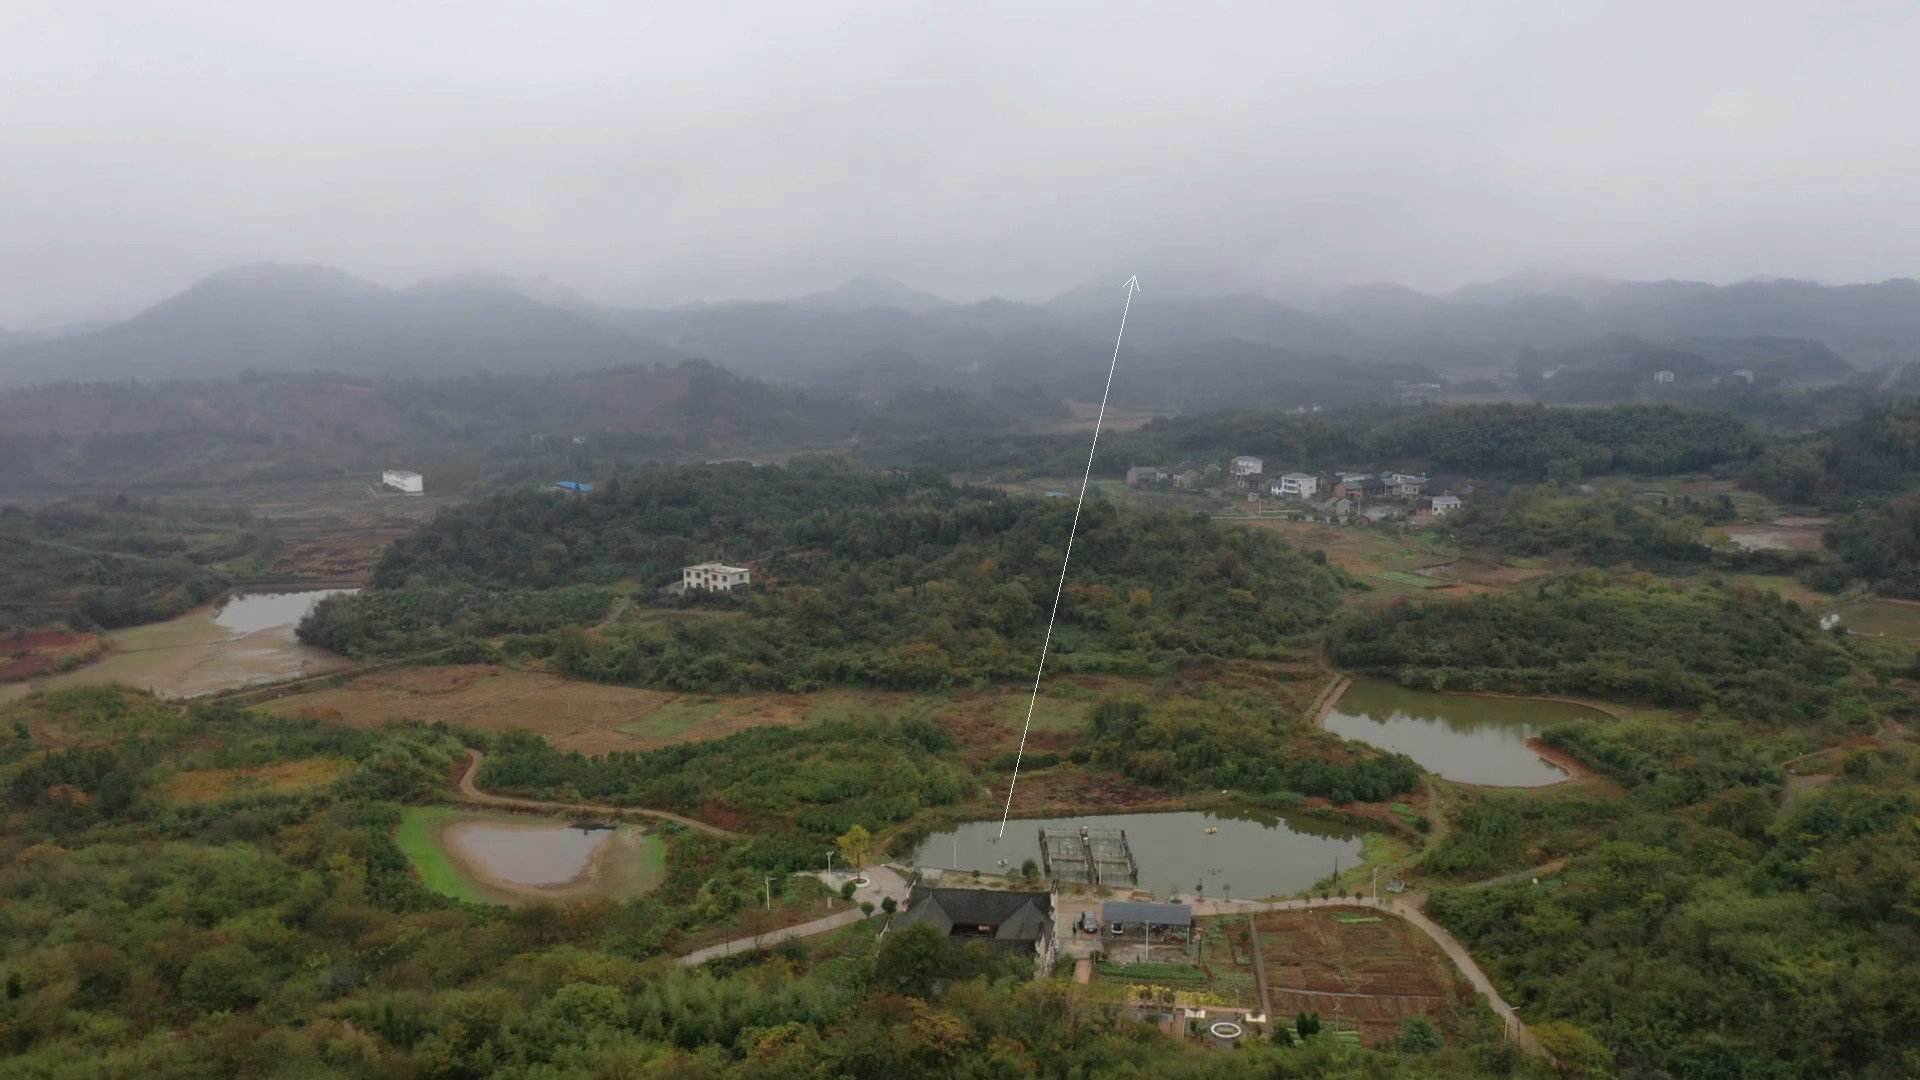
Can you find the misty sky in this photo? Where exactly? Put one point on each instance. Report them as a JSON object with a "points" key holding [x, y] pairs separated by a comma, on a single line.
{"points": [[658, 152]]}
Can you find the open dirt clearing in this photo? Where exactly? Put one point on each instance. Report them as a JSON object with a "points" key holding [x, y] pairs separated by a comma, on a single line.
{"points": [[594, 718], [588, 717]]}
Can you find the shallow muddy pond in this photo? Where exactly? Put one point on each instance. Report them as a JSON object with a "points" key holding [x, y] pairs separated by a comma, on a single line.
{"points": [[245, 640], [525, 854], [512, 858], [1464, 737], [1249, 854]]}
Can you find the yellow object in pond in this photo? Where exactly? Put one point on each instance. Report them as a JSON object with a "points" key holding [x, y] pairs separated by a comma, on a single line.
{"points": [[1211, 830]]}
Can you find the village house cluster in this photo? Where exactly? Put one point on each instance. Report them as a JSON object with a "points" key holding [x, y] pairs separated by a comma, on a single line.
{"points": [[1340, 496]]}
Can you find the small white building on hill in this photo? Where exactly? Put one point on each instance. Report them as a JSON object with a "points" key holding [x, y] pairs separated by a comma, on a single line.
{"points": [[1246, 466], [714, 577], [407, 483]]}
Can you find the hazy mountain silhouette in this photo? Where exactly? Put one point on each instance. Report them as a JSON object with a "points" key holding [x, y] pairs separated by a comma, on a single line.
{"points": [[875, 335], [278, 318], [873, 291]]}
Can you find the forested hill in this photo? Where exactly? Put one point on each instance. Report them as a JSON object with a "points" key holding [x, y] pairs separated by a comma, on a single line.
{"points": [[860, 578], [1521, 442]]}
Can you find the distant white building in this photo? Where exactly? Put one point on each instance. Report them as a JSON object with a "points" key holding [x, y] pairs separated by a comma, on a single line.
{"points": [[1296, 485], [1663, 376], [1743, 374], [1406, 485], [1445, 504], [714, 577], [1246, 466], [409, 483]]}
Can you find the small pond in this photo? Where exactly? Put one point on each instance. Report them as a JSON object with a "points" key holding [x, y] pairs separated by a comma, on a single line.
{"points": [[501, 858], [1472, 739], [249, 613], [531, 853], [1249, 854], [247, 639]]}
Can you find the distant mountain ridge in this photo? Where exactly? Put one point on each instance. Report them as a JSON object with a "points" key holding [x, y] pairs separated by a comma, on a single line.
{"points": [[873, 335], [281, 318]]}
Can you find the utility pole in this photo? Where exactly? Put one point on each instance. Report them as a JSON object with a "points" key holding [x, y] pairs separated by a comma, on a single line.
{"points": [[769, 894], [1376, 886]]}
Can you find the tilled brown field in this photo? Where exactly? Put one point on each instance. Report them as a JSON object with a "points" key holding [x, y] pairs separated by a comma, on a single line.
{"points": [[1370, 974]]}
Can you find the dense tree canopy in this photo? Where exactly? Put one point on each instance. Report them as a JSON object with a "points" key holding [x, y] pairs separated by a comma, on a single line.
{"points": [[1609, 527], [861, 578], [119, 562], [1746, 652], [1524, 442]]}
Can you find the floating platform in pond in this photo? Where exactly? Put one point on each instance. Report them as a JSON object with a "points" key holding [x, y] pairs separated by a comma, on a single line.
{"points": [[1088, 856]]}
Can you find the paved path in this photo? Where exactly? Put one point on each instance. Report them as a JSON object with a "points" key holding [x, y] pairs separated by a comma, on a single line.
{"points": [[469, 792], [882, 883]]}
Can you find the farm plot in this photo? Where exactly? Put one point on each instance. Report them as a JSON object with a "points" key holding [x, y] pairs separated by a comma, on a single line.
{"points": [[1355, 968], [1220, 973]]}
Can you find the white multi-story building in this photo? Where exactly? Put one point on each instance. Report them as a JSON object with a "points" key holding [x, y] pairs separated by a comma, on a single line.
{"points": [[1296, 485], [409, 483], [1663, 376], [1445, 504], [714, 577], [1246, 466], [1406, 485]]}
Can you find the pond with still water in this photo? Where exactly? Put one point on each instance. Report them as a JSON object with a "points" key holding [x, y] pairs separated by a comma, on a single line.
{"points": [[1464, 737], [246, 639], [1249, 854], [501, 858]]}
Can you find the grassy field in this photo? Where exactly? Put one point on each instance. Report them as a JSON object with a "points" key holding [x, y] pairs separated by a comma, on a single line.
{"points": [[1411, 581], [415, 835], [282, 778], [1882, 617]]}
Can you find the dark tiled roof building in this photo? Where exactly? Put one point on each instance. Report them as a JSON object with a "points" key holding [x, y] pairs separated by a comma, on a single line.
{"points": [[1012, 921]]}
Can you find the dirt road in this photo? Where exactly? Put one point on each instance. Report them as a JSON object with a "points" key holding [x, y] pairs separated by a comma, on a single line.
{"points": [[471, 793]]}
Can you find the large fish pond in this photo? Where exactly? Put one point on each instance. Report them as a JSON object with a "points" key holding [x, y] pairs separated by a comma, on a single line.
{"points": [[1464, 737], [1249, 853]]}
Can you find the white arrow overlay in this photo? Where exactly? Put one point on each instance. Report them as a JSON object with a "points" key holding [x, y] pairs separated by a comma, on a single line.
{"points": [[1132, 286]]}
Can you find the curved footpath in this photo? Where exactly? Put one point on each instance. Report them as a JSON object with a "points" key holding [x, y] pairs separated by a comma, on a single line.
{"points": [[471, 793]]}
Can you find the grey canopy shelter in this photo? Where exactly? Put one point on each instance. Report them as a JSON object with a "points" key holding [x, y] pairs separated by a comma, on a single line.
{"points": [[1147, 916]]}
